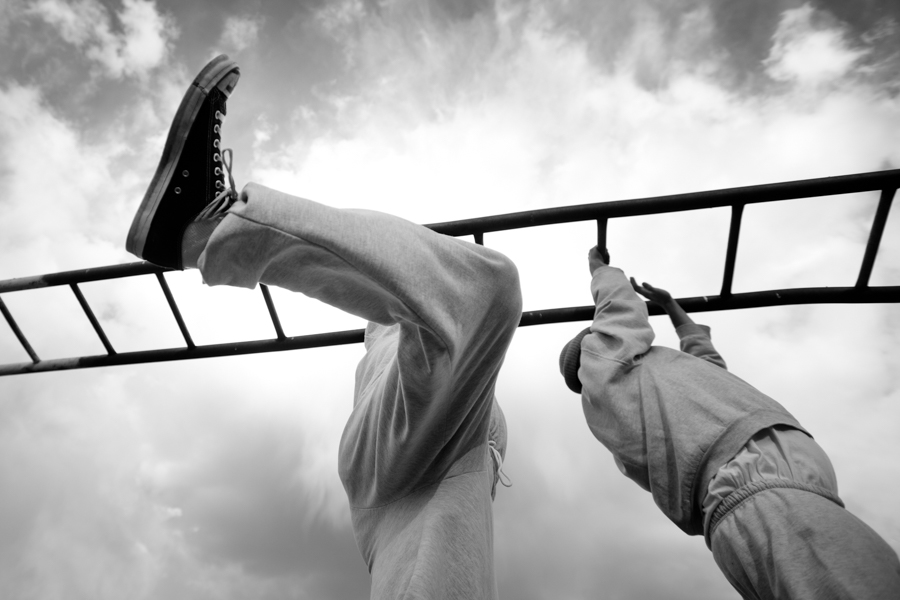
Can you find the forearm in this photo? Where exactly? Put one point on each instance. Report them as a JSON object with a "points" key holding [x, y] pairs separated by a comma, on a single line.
{"points": [[621, 327], [694, 338], [677, 314]]}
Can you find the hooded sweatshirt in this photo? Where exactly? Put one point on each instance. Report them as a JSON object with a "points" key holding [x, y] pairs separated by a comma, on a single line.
{"points": [[670, 418]]}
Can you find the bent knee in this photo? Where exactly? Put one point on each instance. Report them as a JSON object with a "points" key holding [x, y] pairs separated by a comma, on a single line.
{"points": [[505, 305]]}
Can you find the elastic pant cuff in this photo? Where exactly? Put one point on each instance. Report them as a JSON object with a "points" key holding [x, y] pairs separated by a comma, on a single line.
{"points": [[739, 496], [196, 235]]}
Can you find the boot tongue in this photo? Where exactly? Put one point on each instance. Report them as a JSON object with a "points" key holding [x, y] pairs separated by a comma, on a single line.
{"points": [[218, 100]]}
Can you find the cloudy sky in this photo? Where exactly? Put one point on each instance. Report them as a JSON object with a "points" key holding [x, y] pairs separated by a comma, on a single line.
{"points": [[217, 478]]}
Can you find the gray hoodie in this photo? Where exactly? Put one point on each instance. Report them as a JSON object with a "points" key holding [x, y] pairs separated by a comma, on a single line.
{"points": [[670, 418]]}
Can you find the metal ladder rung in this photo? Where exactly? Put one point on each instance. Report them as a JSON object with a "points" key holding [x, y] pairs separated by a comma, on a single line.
{"points": [[270, 304], [175, 312], [93, 319], [875, 233], [18, 332]]}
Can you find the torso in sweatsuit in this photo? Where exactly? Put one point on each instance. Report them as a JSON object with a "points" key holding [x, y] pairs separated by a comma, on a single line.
{"points": [[670, 418]]}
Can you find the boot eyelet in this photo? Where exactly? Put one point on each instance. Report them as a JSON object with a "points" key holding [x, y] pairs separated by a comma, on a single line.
{"points": [[178, 190], [216, 157], [185, 173], [219, 185], [216, 144], [218, 171], [216, 128]]}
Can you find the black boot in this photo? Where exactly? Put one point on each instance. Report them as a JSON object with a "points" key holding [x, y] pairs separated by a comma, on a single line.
{"points": [[190, 175]]}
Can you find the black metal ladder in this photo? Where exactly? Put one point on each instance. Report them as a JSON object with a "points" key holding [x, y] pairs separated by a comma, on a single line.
{"points": [[885, 182]]}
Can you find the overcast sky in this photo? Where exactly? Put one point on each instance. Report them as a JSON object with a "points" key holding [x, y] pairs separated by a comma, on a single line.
{"points": [[217, 479]]}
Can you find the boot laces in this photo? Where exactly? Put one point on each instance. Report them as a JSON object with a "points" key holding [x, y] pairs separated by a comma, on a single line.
{"points": [[228, 194]]}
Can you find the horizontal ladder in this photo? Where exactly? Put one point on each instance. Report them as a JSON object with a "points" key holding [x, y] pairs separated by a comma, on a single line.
{"points": [[885, 182]]}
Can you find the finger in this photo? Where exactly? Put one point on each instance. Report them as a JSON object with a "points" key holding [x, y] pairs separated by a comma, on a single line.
{"points": [[639, 288]]}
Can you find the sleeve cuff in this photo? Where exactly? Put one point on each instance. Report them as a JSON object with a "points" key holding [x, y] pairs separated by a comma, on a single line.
{"points": [[689, 329]]}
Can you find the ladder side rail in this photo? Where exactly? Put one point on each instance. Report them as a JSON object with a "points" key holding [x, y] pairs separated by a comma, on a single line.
{"points": [[761, 299], [768, 298], [826, 186], [335, 338], [80, 276], [774, 192]]}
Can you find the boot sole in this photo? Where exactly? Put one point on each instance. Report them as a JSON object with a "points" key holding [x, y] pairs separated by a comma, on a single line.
{"points": [[222, 73]]}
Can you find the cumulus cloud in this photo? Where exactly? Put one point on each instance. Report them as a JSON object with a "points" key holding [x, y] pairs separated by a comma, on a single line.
{"points": [[241, 32], [809, 50], [123, 489], [336, 17], [86, 529], [45, 160], [531, 119], [128, 43]]}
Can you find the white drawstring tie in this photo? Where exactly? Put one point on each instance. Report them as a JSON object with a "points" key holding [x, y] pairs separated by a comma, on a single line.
{"points": [[498, 460]]}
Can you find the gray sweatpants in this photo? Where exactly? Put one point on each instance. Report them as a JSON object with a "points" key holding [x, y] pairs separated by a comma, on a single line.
{"points": [[787, 536]]}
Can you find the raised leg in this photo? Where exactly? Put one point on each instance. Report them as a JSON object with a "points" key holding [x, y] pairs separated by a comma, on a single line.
{"points": [[445, 312]]}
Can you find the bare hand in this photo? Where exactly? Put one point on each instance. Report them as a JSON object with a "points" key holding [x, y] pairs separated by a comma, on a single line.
{"points": [[597, 258], [654, 294]]}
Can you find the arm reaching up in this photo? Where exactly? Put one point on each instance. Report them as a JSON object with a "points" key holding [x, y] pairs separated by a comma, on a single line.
{"points": [[665, 300], [695, 339]]}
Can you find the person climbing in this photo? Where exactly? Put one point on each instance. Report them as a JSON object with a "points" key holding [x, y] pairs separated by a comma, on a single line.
{"points": [[422, 451], [720, 458]]}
